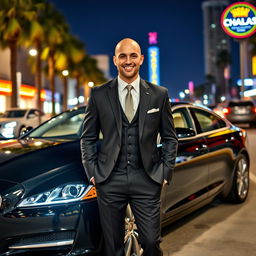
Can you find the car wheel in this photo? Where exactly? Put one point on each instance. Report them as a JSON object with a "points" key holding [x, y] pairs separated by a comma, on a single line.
{"points": [[240, 185], [23, 130], [131, 239]]}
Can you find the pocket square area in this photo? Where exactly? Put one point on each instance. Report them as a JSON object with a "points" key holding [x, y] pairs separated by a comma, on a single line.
{"points": [[153, 110]]}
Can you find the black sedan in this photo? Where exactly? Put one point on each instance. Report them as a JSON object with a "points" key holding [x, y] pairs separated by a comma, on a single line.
{"points": [[47, 205]]}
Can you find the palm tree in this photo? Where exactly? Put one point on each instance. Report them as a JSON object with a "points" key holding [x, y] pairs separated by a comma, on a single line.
{"points": [[34, 37], [84, 72], [14, 14], [68, 54], [56, 29]]}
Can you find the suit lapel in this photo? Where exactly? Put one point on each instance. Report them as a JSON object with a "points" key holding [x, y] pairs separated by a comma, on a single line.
{"points": [[145, 95], [114, 101]]}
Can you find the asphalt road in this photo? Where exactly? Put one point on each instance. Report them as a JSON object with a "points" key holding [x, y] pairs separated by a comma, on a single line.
{"points": [[217, 229]]}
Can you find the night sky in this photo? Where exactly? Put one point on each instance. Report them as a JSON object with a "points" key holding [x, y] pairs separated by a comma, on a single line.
{"points": [[101, 24]]}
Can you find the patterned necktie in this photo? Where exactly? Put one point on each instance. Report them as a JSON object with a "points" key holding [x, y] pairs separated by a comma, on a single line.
{"points": [[129, 111]]}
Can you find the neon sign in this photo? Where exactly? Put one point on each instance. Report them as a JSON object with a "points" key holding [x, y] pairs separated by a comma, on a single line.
{"points": [[239, 20], [153, 53], [152, 37]]}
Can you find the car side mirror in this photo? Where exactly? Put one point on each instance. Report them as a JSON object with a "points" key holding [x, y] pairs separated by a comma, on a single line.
{"points": [[185, 132]]}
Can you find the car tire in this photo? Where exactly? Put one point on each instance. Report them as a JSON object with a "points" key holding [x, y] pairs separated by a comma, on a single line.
{"points": [[22, 130], [131, 239], [240, 184]]}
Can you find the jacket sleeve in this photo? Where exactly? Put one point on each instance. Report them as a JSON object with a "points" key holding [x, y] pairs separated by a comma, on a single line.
{"points": [[168, 139], [89, 137]]}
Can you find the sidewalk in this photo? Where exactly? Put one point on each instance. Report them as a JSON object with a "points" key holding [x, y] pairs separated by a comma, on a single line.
{"points": [[236, 236]]}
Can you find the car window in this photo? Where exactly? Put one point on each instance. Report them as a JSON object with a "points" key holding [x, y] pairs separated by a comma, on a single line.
{"points": [[208, 121], [14, 113], [181, 119], [65, 125]]}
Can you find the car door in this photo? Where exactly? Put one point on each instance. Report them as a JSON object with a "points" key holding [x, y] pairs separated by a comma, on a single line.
{"points": [[33, 118], [189, 182], [219, 141]]}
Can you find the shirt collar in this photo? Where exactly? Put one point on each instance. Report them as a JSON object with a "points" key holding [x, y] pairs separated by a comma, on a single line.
{"points": [[122, 84]]}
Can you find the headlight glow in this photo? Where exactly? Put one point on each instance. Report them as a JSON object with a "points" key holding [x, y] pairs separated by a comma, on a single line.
{"points": [[62, 194], [8, 129], [10, 125]]}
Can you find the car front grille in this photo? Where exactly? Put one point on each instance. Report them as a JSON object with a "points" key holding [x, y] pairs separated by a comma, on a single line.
{"points": [[65, 238]]}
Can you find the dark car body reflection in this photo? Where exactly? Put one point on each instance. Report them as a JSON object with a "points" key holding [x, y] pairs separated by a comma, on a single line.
{"points": [[47, 204]]}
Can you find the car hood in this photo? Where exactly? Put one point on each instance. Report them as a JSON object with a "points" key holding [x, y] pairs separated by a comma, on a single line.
{"points": [[31, 159], [7, 119], [11, 149]]}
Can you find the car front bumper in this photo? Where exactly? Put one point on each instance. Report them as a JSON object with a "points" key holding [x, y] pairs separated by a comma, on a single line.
{"points": [[71, 229]]}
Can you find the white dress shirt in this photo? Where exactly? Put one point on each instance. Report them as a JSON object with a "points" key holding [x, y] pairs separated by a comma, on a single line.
{"points": [[122, 91]]}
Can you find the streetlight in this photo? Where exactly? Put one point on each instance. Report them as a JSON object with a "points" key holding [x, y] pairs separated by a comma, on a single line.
{"points": [[32, 52], [91, 84], [65, 74]]}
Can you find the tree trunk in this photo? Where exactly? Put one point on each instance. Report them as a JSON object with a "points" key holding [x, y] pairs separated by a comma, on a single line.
{"points": [[13, 63], [51, 64], [38, 78]]}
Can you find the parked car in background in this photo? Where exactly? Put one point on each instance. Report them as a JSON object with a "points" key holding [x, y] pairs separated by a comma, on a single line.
{"points": [[16, 121], [48, 206], [238, 111]]}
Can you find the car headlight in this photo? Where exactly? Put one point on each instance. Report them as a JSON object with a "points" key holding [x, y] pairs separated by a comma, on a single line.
{"points": [[10, 125], [61, 194]]}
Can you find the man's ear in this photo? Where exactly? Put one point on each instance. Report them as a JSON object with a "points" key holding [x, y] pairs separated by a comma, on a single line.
{"points": [[114, 60], [141, 59]]}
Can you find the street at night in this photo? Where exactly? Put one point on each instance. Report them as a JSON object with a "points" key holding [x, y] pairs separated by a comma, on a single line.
{"points": [[127, 129]]}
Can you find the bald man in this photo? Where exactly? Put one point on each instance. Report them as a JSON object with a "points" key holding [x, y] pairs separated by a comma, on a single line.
{"points": [[128, 167]]}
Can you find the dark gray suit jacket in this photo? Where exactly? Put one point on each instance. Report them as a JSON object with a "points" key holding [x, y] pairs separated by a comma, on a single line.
{"points": [[103, 113]]}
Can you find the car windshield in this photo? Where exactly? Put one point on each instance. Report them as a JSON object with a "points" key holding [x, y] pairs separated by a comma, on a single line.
{"points": [[241, 104], [14, 113], [67, 125]]}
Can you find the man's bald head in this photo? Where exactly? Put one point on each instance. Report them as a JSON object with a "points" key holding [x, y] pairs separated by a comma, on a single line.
{"points": [[127, 42], [128, 59]]}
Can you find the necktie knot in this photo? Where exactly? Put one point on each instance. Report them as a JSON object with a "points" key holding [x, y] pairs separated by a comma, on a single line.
{"points": [[129, 111], [129, 87]]}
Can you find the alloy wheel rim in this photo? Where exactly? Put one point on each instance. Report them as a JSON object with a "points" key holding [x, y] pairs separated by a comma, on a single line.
{"points": [[132, 246], [242, 178]]}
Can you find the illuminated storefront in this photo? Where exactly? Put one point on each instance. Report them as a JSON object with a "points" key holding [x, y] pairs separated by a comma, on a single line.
{"points": [[27, 97]]}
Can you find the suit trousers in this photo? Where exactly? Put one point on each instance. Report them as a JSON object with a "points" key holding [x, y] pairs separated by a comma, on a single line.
{"points": [[135, 187]]}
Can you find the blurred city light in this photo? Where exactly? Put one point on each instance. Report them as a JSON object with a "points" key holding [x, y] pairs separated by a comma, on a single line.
{"points": [[91, 84], [73, 101], [81, 99], [222, 98], [32, 52], [182, 95], [247, 82], [186, 91], [65, 72]]}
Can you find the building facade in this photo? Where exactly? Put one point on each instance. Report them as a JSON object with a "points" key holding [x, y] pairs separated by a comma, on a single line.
{"points": [[217, 48]]}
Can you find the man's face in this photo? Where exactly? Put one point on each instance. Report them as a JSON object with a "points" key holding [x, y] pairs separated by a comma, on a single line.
{"points": [[128, 60]]}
